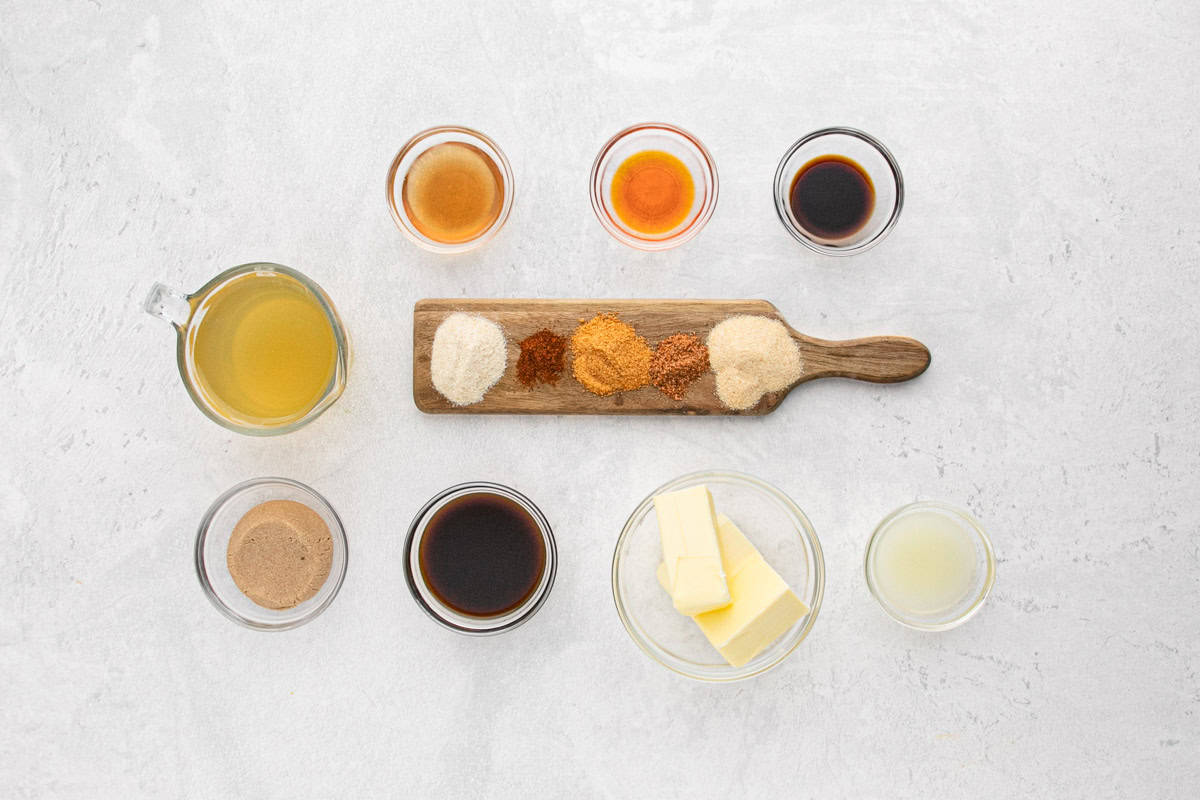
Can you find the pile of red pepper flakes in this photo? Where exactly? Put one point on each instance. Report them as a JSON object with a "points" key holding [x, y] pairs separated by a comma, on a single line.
{"points": [[543, 358]]}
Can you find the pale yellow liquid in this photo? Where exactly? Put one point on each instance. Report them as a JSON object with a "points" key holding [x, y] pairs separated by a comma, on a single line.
{"points": [[925, 563], [263, 352]]}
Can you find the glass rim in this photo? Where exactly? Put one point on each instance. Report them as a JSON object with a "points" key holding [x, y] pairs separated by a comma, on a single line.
{"points": [[337, 531], [653, 244], [401, 218], [782, 183], [507, 621], [808, 533], [341, 341], [975, 527]]}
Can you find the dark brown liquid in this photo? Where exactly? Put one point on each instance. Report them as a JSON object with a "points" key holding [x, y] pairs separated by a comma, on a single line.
{"points": [[832, 197], [482, 555]]}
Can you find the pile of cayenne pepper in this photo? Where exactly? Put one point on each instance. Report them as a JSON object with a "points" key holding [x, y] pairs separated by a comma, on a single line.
{"points": [[543, 358]]}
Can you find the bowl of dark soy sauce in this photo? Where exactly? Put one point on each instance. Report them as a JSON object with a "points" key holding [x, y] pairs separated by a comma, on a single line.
{"points": [[480, 558], [838, 191]]}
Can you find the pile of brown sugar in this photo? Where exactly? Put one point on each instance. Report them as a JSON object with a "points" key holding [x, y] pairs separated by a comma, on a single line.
{"points": [[280, 553], [609, 356], [678, 361], [543, 358]]}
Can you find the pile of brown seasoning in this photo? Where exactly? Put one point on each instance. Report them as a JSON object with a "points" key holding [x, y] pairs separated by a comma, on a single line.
{"points": [[677, 363], [280, 553]]}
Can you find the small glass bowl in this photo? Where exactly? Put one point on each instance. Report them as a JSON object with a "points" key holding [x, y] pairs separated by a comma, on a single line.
{"points": [[212, 546], [772, 522], [870, 154], [417, 145], [985, 569], [448, 617], [654, 136]]}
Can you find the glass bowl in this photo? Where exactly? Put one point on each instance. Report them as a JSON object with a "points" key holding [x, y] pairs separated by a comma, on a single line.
{"points": [[212, 545], [870, 154], [654, 136], [770, 520], [972, 601], [426, 140], [444, 615]]}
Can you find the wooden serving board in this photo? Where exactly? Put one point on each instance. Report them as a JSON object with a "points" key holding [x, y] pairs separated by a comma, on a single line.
{"points": [[880, 359]]}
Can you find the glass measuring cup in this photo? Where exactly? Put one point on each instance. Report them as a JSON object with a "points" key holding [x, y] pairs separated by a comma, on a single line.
{"points": [[260, 347]]}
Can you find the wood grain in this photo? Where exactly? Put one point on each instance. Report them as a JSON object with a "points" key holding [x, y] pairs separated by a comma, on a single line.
{"points": [[880, 359]]}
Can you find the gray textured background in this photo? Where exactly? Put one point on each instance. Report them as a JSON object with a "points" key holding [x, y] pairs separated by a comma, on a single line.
{"points": [[1047, 255]]}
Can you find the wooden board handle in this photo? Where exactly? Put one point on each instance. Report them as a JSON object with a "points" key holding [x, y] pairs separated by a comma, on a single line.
{"points": [[878, 359]]}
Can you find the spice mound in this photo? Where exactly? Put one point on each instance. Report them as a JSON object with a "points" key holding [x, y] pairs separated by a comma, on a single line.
{"points": [[468, 358], [752, 356], [678, 361], [543, 358], [280, 553], [609, 356]]}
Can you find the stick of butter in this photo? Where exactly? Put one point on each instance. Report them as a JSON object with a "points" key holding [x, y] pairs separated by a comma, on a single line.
{"points": [[691, 555], [764, 607]]}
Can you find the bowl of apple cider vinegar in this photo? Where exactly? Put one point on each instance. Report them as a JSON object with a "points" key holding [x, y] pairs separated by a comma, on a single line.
{"points": [[450, 189], [653, 186], [261, 349], [930, 565]]}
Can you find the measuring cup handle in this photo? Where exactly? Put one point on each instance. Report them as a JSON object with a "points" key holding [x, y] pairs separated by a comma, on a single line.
{"points": [[167, 304]]}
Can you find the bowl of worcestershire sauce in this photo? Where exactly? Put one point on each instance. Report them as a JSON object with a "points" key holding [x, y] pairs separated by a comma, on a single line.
{"points": [[838, 191], [480, 558]]}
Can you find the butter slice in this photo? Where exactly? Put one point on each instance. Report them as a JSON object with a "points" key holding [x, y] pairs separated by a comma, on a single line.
{"points": [[691, 555], [764, 607]]}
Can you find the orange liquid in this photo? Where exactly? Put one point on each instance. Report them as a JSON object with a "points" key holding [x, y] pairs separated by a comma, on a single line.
{"points": [[652, 192], [453, 192]]}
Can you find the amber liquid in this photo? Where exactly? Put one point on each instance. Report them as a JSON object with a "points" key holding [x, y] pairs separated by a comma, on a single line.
{"points": [[262, 349], [832, 197], [652, 192], [453, 192], [482, 555]]}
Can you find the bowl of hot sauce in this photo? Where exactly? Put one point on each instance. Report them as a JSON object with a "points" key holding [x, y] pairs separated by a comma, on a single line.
{"points": [[653, 186]]}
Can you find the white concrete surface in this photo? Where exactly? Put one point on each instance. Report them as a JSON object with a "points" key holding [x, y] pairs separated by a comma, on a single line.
{"points": [[1047, 255]]}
